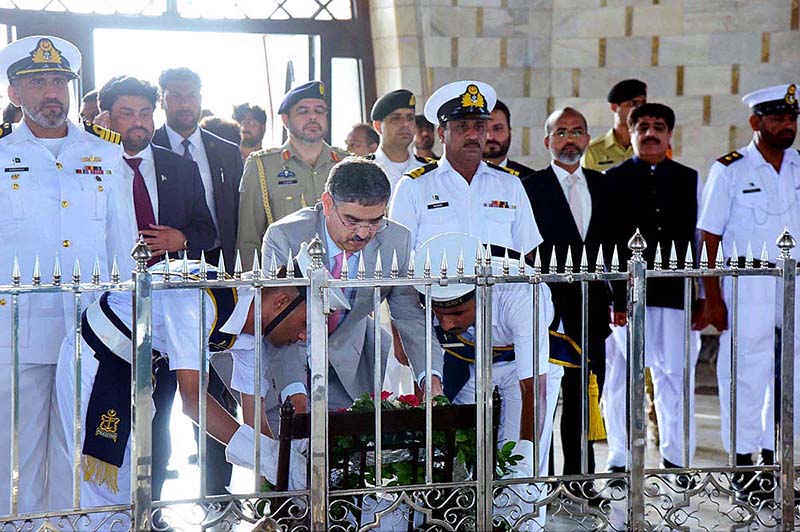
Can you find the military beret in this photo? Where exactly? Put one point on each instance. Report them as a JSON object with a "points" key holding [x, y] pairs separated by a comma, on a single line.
{"points": [[460, 99], [625, 90], [312, 89], [39, 54], [777, 99], [391, 101]]}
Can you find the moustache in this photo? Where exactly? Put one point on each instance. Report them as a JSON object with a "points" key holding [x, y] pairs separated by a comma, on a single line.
{"points": [[357, 239], [51, 101], [138, 128], [651, 140], [472, 143]]}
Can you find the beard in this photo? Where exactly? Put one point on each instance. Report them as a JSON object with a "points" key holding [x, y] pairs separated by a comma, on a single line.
{"points": [[47, 118], [308, 134], [136, 144], [495, 149], [249, 140], [782, 140], [424, 143], [568, 155], [184, 120]]}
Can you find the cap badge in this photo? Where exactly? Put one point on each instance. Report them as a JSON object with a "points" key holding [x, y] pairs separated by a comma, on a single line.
{"points": [[791, 94], [473, 97], [321, 89], [45, 52], [412, 100]]}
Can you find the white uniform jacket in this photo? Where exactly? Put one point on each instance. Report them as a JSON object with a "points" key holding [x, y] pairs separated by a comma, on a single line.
{"points": [[74, 206], [494, 208]]}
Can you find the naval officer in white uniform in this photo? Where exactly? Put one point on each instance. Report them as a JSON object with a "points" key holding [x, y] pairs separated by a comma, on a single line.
{"points": [[61, 195]]}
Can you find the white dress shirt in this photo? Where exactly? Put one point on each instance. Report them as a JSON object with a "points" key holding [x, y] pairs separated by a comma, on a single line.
{"points": [[198, 151], [583, 192], [394, 171], [148, 169]]}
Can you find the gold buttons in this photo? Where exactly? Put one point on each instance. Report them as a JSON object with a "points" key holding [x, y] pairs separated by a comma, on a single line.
{"points": [[15, 186], [66, 243], [65, 204], [15, 176], [59, 165], [99, 188], [2, 302]]}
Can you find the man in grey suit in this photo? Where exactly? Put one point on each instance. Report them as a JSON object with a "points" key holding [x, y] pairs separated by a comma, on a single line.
{"points": [[352, 224]]}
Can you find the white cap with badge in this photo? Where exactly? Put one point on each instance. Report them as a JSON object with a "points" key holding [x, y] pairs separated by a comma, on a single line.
{"points": [[39, 54], [460, 99], [777, 99]]}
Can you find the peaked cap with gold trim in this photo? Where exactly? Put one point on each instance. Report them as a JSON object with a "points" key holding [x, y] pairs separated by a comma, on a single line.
{"points": [[777, 99], [391, 101], [460, 99], [39, 54]]}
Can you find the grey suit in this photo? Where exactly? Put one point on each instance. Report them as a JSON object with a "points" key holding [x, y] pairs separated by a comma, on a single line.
{"points": [[350, 346]]}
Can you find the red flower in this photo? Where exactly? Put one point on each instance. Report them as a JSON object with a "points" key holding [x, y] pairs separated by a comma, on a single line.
{"points": [[409, 400], [385, 395], [341, 410]]}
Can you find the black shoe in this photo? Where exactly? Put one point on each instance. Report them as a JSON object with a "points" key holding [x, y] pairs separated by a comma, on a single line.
{"points": [[192, 459], [171, 473], [586, 491], [682, 480], [616, 483]]}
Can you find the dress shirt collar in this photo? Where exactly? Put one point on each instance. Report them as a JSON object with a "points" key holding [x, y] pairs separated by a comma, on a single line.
{"points": [[445, 165], [176, 140], [504, 162], [562, 174], [381, 155], [145, 155], [22, 132], [333, 249], [790, 155]]}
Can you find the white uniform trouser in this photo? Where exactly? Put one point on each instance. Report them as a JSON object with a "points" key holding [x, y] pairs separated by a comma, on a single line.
{"points": [[614, 396], [36, 401], [755, 359], [92, 495], [505, 377], [664, 355]]}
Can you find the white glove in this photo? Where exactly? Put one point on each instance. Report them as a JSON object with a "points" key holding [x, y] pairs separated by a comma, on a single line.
{"points": [[240, 452], [523, 468]]}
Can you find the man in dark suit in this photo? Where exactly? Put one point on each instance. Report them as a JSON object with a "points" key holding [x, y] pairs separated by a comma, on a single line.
{"points": [[498, 141], [220, 164], [171, 213], [572, 209], [660, 198], [219, 161]]}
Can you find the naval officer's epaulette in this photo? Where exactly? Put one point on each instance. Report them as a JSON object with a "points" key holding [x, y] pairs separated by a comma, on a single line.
{"points": [[99, 131], [415, 173], [424, 160], [5, 129], [370, 156], [730, 158], [503, 169]]}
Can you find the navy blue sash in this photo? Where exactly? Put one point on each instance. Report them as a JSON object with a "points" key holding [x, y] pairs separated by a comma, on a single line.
{"points": [[108, 422]]}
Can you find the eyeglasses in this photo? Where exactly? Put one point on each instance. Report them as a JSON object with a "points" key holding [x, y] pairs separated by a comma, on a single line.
{"points": [[563, 133], [375, 227]]}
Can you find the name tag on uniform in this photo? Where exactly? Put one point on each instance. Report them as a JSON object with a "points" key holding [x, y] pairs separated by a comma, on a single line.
{"points": [[438, 205], [605, 162], [498, 204], [17, 169], [287, 181], [750, 190]]}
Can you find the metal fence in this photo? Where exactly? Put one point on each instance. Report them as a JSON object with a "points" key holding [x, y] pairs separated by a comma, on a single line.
{"points": [[639, 499]]}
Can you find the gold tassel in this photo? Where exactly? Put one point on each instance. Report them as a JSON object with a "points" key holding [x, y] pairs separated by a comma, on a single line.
{"points": [[98, 472], [597, 430]]}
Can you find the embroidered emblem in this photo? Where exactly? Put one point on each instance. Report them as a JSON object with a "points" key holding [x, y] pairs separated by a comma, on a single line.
{"points": [[791, 94], [473, 97], [108, 425], [91, 159], [45, 52]]}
